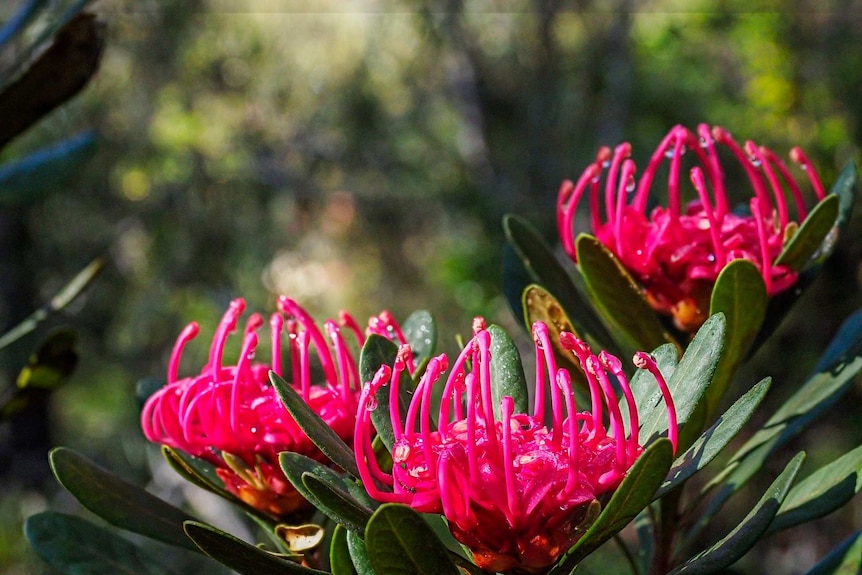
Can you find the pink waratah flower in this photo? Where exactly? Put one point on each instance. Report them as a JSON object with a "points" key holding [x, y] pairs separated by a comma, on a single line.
{"points": [[676, 252], [232, 417], [512, 488]]}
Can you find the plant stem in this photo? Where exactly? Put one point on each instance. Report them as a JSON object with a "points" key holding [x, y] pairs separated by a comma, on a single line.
{"points": [[627, 553], [665, 532]]}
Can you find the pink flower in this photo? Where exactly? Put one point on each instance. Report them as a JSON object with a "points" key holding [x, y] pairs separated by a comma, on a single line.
{"points": [[512, 488], [676, 252], [232, 417]]}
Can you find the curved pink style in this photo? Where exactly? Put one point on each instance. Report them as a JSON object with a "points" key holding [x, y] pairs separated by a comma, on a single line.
{"points": [[512, 486], [232, 417], [676, 252]]}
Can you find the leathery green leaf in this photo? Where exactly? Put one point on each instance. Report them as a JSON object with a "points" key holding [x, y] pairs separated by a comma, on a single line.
{"points": [[25, 180], [714, 439], [822, 492], [196, 472], [359, 554], [339, 553], [645, 389], [46, 371], [376, 352], [540, 305], [201, 473], [691, 377], [536, 264], [631, 497], [507, 373], [739, 294], [337, 503], [810, 235], [314, 427], [420, 331], [117, 501], [240, 556], [846, 559], [327, 490], [618, 298], [74, 545], [76, 286], [749, 531], [833, 376], [845, 188], [399, 541]]}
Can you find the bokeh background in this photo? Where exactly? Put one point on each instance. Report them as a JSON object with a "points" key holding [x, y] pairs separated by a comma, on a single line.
{"points": [[360, 155]]}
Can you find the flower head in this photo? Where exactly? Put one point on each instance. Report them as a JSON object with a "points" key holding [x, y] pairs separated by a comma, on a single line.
{"points": [[232, 417], [676, 252], [512, 487]]}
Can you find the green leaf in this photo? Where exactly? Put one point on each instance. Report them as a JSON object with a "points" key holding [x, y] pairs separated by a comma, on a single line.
{"points": [[52, 76], [268, 528], [48, 369], [691, 377], [810, 235], [845, 188], [645, 389], [240, 556], [420, 331], [193, 470], [532, 261], [378, 351], [539, 305], [743, 537], [296, 464], [359, 554], [202, 474], [845, 346], [822, 492], [399, 541], [714, 439], [77, 547], [739, 294], [516, 277], [339, 553], [24, 55], [440, 527], [145, 387], [834, 376], [337, 503], [507, 373], [631, 497], [314, 427], [52, 168], [60, 300], [846, 559], [52, 364], [382, 454], [779, 304], [298, 468], [618, 298], [117, 501]]}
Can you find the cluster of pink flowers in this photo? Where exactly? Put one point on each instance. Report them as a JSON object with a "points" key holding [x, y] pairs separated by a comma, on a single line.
{"points": [[232, 417], [512, 488], [676, 252]]}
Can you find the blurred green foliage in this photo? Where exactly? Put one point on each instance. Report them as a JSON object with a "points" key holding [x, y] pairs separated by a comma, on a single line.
{"points": [[361, 155]]}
